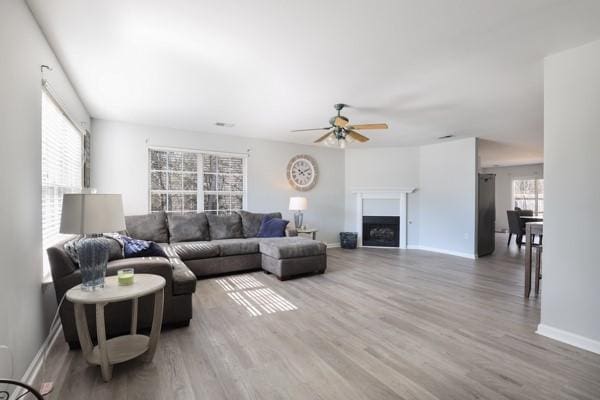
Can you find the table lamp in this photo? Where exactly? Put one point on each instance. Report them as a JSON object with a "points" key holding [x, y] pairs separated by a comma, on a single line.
{"points": [[91, 215], [298, 204]]}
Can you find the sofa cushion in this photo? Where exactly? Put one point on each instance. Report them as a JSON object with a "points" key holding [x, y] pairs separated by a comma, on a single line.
{"points": [[225, 226], [251, 222], [148, 227], [272, 227], [234, 247], [188, 227], [195, 250], [287, 247]]}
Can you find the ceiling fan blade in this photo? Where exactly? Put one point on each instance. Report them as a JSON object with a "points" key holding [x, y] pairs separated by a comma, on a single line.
{"points": [[368, 126], [314, 129], [341, 122], [325, 136], [357, 136]]}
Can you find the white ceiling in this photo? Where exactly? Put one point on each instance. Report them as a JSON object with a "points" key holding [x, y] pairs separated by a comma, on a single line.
{"points": [[426, 67]]}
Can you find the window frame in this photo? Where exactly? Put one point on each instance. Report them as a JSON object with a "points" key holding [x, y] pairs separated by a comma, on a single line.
{"points": [[48, 91], [536, 200], [200, 192]]}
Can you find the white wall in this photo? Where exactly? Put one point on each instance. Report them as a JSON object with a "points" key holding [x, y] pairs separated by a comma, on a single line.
{"points": [[571, 284], [504, 178], [119, 164], [447, 196], [377, 168], [25, 307]]}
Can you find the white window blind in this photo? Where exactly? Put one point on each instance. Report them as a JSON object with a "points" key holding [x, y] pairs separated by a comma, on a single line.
{"points": [[192, 181], [62, 162]]}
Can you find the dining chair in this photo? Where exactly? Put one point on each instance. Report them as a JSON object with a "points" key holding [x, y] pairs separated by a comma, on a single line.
{"points": [[515, 227]]}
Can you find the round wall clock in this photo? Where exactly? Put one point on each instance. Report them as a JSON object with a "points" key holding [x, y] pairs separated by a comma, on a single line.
{"points": [[302, 172]]}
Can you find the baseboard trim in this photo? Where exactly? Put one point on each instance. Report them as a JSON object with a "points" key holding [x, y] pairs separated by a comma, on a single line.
{"points": [[442, 251], [573, 339], [332, 245], [31, 373]]}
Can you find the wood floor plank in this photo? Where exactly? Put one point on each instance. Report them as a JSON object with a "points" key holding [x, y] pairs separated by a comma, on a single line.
{"points": [[379, 324]]}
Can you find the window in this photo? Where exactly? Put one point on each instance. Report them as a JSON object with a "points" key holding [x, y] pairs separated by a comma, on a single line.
{"points": [[62, 160], [528, 194], [189, 181]]}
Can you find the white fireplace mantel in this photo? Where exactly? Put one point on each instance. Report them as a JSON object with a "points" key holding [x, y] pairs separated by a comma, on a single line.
{"points": [[383, 194]]}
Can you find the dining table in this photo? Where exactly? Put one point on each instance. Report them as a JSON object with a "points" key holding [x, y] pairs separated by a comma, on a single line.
{"points": [[532, 218], [531, 229]]}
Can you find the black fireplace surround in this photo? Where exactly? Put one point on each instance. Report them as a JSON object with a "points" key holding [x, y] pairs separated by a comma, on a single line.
{"points": [[381, 231]]}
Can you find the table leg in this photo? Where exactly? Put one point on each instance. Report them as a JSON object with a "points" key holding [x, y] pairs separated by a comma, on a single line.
{"points": [[83, 331], [102, 347], [156, 324], [527, 261], [134, 316], [538, 269]]}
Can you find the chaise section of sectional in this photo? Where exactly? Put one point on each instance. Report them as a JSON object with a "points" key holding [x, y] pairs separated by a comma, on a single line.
{"points": [[291, 257]]}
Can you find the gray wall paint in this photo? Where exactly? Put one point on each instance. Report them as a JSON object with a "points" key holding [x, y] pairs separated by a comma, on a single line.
{"points": [[504, 178], [119, 160], [25, 308], [447, 196], [392, 167], [571, 143]]}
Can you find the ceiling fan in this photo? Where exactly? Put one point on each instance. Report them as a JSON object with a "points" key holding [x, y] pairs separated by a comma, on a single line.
{"points": [[341, 132]]}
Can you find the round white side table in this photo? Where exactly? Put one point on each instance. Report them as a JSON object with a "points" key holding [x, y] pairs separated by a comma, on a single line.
{"points": [[122, 348]]}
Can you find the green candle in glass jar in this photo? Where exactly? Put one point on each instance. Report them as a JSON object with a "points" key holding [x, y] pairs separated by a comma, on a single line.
{"points": [[125, 276]]}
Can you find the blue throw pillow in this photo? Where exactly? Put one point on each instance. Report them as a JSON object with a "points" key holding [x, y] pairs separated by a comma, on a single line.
{"points": [[272, 227], [141, 248]]}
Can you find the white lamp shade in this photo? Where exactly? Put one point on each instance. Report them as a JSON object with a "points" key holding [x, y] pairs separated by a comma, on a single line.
{"points": [[85, 214], [298, 203]]}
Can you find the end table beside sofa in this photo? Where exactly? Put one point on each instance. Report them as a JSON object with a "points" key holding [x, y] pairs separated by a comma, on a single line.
{"points": [[197, 245]]}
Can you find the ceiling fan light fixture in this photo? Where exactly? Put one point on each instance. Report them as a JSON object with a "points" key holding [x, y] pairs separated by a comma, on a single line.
{"points": [[342, 143]]}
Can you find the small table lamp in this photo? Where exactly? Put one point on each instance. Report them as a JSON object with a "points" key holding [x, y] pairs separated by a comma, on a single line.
{"points": [[92, 215], [298, 204]]}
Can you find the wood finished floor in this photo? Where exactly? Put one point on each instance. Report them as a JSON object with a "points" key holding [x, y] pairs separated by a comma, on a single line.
{"points": [[379, 324]]}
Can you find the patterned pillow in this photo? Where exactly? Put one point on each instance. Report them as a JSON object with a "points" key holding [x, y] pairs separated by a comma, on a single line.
{"points": [[141, 248]]}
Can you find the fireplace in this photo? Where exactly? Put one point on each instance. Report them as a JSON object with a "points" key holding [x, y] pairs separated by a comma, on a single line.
{"points": [[381, 231]]}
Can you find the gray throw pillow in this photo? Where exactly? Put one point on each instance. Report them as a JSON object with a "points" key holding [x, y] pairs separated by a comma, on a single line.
{"points": [[225, 226], [152, 227], [115, 249], [188, 227], [251, 222]]}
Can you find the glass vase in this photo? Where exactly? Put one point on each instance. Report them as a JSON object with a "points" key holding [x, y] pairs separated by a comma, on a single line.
{"points": [[93, 252]]}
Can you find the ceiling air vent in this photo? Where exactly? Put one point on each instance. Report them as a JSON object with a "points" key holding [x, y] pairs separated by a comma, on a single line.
{"points": [[445, 137], [225, 124]]}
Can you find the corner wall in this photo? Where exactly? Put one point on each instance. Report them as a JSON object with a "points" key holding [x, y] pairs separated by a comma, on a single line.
{"points": [[120, 165], [571, 283], [25, 307], [448, 197]]}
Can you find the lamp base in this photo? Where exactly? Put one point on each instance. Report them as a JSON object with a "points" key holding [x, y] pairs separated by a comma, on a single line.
{"points": [[298, 219], [93, 252]]}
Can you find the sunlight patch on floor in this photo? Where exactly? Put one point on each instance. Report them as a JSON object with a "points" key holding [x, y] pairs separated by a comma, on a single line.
{"points": [[249, 292]]}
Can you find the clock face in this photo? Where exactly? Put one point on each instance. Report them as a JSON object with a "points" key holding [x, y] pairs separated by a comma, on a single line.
{"points": [[302, 172]]}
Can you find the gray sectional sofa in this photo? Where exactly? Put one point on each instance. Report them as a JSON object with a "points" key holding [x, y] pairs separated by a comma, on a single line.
{"points": [[197, 245]]}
